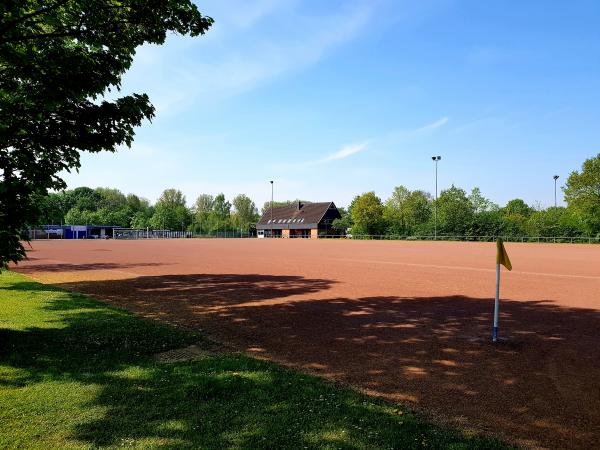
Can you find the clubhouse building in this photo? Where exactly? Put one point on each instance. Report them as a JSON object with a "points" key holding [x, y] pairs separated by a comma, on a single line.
{"points": [[298, 220]]}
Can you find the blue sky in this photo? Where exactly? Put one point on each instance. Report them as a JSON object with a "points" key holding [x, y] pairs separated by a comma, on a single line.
{"points": [[334, 98]]}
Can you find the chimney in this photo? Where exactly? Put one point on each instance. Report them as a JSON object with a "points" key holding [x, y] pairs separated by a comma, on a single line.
{"points": [[300, 205]]}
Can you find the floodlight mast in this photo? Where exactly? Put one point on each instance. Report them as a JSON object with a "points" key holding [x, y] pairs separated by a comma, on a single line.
{"points": [[271, 208], [435, 159], [556, 177]]}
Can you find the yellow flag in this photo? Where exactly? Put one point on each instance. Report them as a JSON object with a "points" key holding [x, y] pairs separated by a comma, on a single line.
{"points": [[501, 255]]}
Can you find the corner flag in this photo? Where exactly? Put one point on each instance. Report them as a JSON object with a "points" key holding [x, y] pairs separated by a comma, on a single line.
{"points": [[501, 255], [501, 259]]}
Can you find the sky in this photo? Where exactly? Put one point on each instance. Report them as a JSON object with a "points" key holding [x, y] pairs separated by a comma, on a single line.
{"points": [[330, 99]]}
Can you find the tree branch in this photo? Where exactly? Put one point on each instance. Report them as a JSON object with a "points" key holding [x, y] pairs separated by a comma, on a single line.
{"points": [[42, 10]]}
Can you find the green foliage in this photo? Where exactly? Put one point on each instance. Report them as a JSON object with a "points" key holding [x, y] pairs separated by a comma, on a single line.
{"points": [[554, 222], [101, 206], [76, 216], [83, 198], [112, 199], [367, 214], [405, 211], [343, 225], [517, 207], [455, 211], [582, 194], [487, 223], [219, 217], [267, 205], [52, 208], [245, 212], [57, 60], [479, 203], [170, 212]]}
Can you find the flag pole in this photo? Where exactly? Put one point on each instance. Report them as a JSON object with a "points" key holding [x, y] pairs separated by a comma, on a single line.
{"points": [[496, 304]]}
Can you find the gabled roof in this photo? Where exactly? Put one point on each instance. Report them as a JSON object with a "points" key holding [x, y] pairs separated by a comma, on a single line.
{"points": [[296, 215]]}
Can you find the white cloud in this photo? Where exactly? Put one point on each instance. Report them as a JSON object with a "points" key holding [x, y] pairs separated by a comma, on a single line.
{"points": [[432, 126], [344, 152], [241, 53]]}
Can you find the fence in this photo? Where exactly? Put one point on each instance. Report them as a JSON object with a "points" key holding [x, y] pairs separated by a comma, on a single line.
{"points": [[39, 234], [128, 233], [537, 239]]}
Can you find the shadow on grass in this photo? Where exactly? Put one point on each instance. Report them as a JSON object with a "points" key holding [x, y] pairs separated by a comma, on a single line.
{"points": [[221, 401]]}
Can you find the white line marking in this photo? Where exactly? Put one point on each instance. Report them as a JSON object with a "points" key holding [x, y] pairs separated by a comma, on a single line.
{"points": [[475, 269]]}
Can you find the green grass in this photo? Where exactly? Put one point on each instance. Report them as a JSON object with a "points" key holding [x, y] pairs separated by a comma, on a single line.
{"points": [[75, 373]]}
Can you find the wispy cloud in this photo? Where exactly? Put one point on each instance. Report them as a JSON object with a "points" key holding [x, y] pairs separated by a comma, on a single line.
{"points": [[344, 152], [432, 126], [238, 55]]}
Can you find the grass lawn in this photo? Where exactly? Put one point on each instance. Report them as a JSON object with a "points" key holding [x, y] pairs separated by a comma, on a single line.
{"points": [[75, 373]]}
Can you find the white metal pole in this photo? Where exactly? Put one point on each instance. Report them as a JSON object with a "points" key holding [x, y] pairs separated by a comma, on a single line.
{"points": [[271, 209], [436, 198], [496, 305]]}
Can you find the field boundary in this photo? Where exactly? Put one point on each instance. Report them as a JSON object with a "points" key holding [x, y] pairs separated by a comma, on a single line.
{"points": [[465, 238], [135, 234]]}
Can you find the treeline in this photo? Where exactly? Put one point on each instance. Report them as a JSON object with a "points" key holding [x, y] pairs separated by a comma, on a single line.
{"points": [[413, 213], [405, 213], [105, 206]]}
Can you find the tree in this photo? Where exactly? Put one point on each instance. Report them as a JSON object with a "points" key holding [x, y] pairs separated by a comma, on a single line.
{"points": [[455, 211], [554, 222], [517, 206], [418, 208], [170, 211], [267, 205], [515, 215], [582, 193], [244, 211], [479, 202], [76, 216], [52, 208], [341, 226], [83, 198], [395, 211], [204, 204], [202, 209], [219, 215], [57, 60], [405, 210], [172, 198], [487, 223], [112, 199], [367, 214], [141, 219]]}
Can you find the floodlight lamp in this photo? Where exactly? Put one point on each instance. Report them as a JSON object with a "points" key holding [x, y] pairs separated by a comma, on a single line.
{"points": [[556, 177]]}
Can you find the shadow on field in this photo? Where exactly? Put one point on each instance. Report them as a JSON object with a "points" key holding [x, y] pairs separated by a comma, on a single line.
{"points": [[539, 385], [103, 358], [68, 267], [184, 298]]}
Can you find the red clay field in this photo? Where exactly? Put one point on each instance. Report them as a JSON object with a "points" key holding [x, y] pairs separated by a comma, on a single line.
{"points": [[408, 321]]}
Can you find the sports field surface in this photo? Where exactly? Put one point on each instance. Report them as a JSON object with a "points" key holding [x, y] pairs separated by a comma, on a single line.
{"points": [[407, 321]]}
